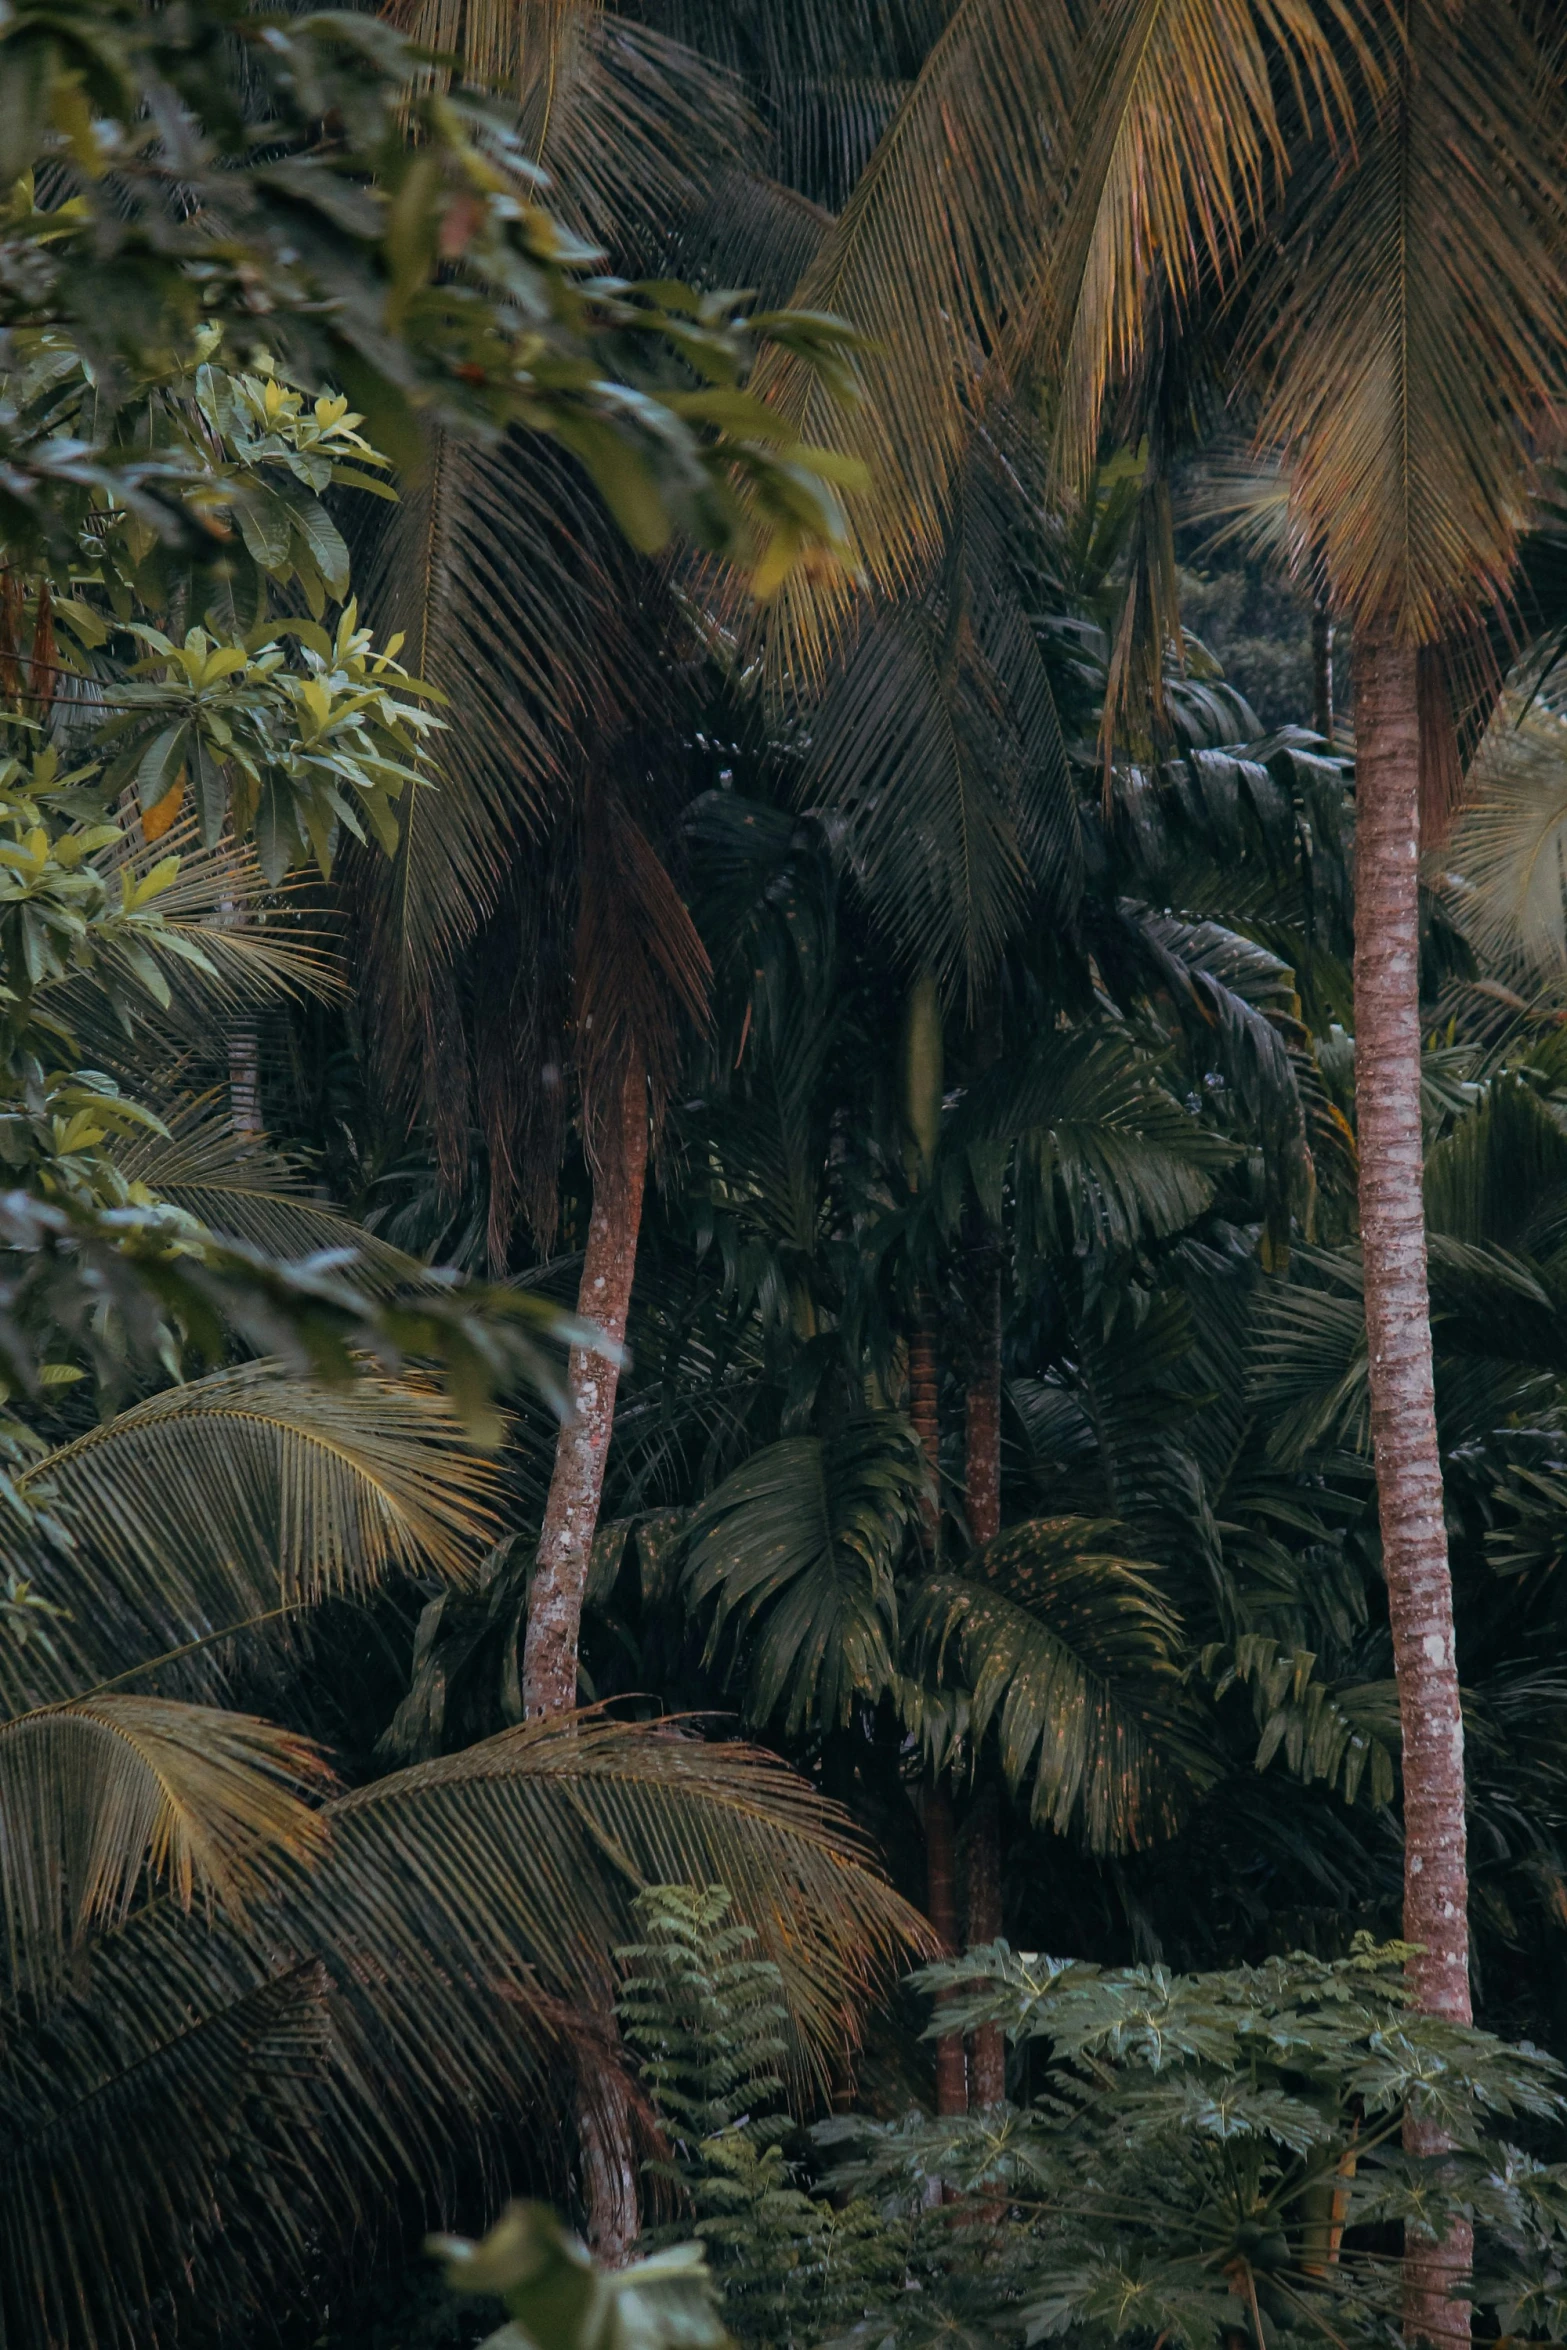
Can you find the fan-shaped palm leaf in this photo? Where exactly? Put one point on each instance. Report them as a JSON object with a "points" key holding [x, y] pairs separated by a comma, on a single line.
{"points": [[1070, 1650], [795, 1551], [236, 1495], [103, 1796], [1509, 848]]}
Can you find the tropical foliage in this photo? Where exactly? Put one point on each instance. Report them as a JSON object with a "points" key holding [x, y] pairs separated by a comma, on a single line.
{"points": [[532, 779]]}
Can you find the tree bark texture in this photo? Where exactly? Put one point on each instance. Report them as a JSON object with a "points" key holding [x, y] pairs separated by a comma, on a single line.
{"points": [[923, 1415], [549, 1657], [941, 1907], [1403, 1416], [1322, 670], [982, 1433], [607, 2156], [987, 2066]]}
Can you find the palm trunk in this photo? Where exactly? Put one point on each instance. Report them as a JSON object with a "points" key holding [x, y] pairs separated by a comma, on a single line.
{"points": [[982, 1924], [982, 1834], [924, 1416], [1403, 1416], [1322, 670], [549, 1656], [941, 1863], [941, 1907]]}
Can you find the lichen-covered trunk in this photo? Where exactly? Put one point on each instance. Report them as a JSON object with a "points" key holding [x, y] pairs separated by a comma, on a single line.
{"points": [[1403, 1416], [549, 1657], [987, 2066]]}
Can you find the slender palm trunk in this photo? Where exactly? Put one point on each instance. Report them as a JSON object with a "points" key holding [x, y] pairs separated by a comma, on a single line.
{"points": [[1403, 1417], [549, 1657], [1322, 669], [982, 1829], [987, 2071], [941, 1863]]}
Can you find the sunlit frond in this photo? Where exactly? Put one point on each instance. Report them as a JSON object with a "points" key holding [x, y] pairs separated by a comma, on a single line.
{"points": [[231, 1497], [245, 1191], [1417, 325], [103, 1797]]}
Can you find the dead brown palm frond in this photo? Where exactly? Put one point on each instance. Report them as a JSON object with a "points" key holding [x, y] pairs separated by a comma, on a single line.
{"points": [[1509, 853], [111, 1794], [1414, 326], [229, 1497]]}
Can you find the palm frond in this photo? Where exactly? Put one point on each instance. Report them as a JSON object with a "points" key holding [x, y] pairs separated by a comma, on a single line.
{"points": [[1103, 1152], [397, 2001], [936, 245], [158, 2122], [1509, 848], [104, 1797], [795, 1552], [1069, 1649], [1418, 322], [245, 1191], [231, 1497], [1178, 150]]}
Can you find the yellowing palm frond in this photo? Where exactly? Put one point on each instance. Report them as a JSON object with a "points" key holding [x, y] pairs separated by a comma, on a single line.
{"points": [[1417, 330], [242, 1190], [240, 1493], [101, 1798]]}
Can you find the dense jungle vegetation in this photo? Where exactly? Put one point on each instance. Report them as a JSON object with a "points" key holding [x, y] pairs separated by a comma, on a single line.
{"points": [[723, 1011]]}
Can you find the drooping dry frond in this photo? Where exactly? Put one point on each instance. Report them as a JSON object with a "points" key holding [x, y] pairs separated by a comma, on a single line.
{"points": [[236, 1495], [100, 1798], [1419, 329]]}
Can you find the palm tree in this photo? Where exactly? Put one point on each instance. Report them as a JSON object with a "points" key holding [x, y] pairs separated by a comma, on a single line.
{"points": [[1403, 348]]}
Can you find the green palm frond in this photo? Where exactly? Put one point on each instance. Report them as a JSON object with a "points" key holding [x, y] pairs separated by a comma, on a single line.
{"points": [[795, 1552], [239, 1494], [1344, 1733], [242, 1190], [1103, 1152], [1069, 1649], [1500, 1170], [103, 1797]]}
